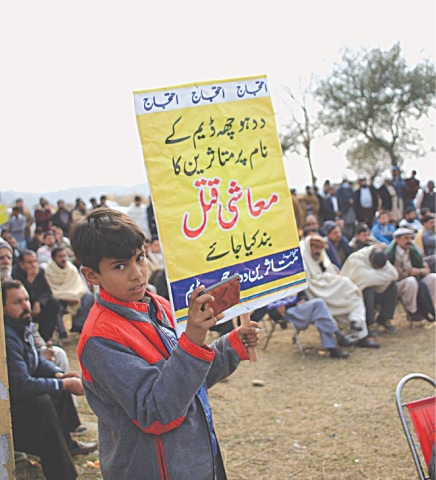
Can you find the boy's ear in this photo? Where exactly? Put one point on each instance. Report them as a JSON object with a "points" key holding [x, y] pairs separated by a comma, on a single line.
{"points": [[90, 276]]}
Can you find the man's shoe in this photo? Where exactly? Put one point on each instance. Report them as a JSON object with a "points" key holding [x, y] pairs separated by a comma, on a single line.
{"points": [[367, 343], [387, 325], [355, 326], [81, 429], [415, 317], [344, 341], [338, 353], [20, 457], [82, 448]]}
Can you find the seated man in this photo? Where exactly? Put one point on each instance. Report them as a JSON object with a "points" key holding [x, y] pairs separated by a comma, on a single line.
{"points": [[5, 261], [44, 252], [425, 240], [416, 285], [46, 310], [362, 238], [382, 230], [69, 287], [343, 298], [302, 312], [410, 221], [36, 241], [337, 245], [42, 409], [370, 270]]}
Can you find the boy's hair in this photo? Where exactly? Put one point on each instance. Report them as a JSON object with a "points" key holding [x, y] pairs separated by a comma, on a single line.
{"points": [[105, 233]]}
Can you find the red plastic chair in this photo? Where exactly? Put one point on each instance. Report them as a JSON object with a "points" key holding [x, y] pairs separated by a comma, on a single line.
{"points": [[422, 413]]}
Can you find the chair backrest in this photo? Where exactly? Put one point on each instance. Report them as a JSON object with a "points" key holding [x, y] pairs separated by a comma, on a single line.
{"points": [[422, 417], [423, 413]]}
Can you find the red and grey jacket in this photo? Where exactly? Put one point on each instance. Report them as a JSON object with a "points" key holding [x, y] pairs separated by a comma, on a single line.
{"points": [[153, 423]]}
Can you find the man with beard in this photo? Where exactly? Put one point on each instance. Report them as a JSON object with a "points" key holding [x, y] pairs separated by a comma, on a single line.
{"points": [[416, 285], [69, 287], [5, 261], [42, 408], [46, 310], [343, 298]]}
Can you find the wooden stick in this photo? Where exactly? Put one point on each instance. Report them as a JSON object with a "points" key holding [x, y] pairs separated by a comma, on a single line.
{"points": [[245, 320]]}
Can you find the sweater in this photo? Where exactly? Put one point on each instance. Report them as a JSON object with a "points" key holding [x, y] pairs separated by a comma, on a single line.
{"points": [[149, 390]]}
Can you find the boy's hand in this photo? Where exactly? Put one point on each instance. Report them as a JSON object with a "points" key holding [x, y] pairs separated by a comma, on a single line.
{"points": [[200, 321], [249, 335]]}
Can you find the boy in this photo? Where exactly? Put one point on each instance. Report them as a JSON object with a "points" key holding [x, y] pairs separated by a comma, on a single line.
{"points": [[148, 388]]}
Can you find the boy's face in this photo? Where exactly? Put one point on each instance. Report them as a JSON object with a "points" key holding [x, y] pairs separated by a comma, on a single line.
{"points": [[126, 280]]}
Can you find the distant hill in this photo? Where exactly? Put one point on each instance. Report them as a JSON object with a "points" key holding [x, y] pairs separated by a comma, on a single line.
{"points": [[69, 195]]}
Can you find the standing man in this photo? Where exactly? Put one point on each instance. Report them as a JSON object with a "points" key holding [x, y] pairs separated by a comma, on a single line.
{"points": [[365, 202], [411, 190], [138, 211], [345, 196], [42, 214], [427, 198], [17, 227], [29, 218], [62, 217], [42, 409]]}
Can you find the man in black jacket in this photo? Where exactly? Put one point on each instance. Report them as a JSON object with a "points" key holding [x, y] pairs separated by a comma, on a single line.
{"points": [[42, 409]]}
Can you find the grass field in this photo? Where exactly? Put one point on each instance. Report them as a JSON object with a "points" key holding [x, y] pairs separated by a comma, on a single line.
{"points": [[314, 418]]}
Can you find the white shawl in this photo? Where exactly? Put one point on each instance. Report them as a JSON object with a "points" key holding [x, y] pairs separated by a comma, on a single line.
{"points": [[66, 284], [340, 294], [358, 269]]}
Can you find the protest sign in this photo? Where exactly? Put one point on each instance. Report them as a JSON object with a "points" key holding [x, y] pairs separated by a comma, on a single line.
{"points": [[219, 190]]}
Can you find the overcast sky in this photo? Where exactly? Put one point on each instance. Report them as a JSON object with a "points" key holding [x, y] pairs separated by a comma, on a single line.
{"points": [[69, 70]]}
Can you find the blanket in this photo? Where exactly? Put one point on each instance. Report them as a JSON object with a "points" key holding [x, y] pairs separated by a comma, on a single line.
{"points": [[340, 294], [66, 284], [358, 269]]}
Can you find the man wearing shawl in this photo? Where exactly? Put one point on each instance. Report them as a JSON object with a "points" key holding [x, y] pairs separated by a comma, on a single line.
{"points": [[68, 286], [343, 298], [376, 277]]}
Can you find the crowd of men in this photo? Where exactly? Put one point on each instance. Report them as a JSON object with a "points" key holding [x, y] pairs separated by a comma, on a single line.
{"points": [[364, 248]]}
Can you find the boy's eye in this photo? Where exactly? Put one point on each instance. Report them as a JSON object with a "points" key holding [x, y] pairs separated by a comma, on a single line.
{"points": [[120, 266]]}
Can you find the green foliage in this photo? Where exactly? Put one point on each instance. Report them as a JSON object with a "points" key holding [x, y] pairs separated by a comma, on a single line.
{"points": [[375, 99]]}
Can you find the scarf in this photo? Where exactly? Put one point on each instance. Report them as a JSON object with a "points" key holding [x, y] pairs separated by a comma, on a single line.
{"points": [[66, 284]]}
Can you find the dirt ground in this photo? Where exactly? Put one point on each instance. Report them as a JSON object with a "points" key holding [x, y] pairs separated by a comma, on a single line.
{"points": [[314, 418]]}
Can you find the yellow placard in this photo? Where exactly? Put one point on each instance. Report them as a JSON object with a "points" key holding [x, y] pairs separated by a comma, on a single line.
{"points": [[219, 189], [3, 215]]}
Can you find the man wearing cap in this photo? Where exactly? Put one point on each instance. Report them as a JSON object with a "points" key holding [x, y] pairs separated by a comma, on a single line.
{"points": [[416, 285], [337, 245], [343, 298], [376, 278]]}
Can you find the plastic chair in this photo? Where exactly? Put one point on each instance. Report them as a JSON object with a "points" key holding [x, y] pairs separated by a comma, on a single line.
{"points": [[422, 414]]}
